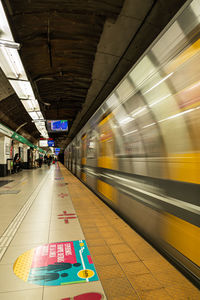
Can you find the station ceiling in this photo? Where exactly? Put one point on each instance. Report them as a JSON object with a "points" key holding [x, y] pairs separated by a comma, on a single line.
{"points": [[75, 52]]}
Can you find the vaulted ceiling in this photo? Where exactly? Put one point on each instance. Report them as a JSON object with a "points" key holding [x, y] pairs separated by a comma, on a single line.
{"points": [[76, 51]]}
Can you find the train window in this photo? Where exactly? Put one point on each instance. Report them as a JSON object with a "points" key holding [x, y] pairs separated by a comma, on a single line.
{"points": [[162, 49], [106, 144], [78, 150], [142, 71], [112, 101], [128, 140], [91, 145], [83, 146], [142, 134], [125, 90]]}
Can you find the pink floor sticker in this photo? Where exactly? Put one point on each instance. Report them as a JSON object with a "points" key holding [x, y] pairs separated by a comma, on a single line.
{"points": [[65, 216], [61, 195], [86, 296]]}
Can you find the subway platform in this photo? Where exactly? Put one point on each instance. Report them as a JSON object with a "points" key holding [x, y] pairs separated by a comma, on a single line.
{"points": [[60, 241]]}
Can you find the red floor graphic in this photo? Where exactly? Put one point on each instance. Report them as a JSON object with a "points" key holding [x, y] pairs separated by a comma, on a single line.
{"points": [[87, 296], [62, 195], [65, 216]]}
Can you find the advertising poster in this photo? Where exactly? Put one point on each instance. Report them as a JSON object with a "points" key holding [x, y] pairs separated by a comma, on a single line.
{"points": [[56, 264]]}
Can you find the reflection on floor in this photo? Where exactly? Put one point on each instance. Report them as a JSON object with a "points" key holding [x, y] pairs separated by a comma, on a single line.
{"points": [[4, 182]]}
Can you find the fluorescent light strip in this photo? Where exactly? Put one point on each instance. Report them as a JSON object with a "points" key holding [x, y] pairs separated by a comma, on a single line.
{"points": [[130, 132], [139, 111], [5, 28], [179, 114], [10, 61], [13, 67], [149, 125], [158, 83], [9, 44], [159, 100], [126, 120]]}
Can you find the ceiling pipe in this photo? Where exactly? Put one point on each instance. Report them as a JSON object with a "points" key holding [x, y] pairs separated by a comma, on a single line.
{"points": [[18, 128]]}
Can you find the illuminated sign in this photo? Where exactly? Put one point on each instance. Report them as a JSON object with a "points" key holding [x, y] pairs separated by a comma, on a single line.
{"points": [[51, 143], [57, 125], [43, 143]]}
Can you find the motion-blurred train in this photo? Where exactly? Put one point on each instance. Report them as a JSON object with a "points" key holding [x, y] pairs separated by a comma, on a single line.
{"points": [[140, 152]]}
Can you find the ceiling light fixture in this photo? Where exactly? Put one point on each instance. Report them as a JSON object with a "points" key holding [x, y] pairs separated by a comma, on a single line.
{"points": [[9, 44], [11, 65], [38, 120]]}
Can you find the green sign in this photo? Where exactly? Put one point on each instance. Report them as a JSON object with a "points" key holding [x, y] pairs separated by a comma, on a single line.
{"points": [[21, 139], [14, 135]]}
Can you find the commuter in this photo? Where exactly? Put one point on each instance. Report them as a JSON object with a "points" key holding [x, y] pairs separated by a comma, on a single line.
{"points": [[49, 160], [40, 161], [16, 163], [45, 159]]}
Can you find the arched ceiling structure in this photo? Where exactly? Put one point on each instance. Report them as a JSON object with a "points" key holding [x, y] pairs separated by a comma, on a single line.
{"points": [[76, 51]]}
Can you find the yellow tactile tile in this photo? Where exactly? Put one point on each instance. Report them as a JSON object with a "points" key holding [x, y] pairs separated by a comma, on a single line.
{"points": [[23, 264], [183, 292], [113, 241], [144, 282], [98, 250], [157, 265], [119, 248], [126, 257], [92, 235], [145, 251], [96, 242], [105, 259], [118, 288], [130, 297], [106, 229], [135, 268], [90, 229], [109, 272], [109, 234], [159, 294], [168, 278], [101, 223]]}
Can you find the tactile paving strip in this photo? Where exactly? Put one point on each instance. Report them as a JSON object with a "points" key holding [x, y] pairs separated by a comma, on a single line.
{"points": [[9, 233]]}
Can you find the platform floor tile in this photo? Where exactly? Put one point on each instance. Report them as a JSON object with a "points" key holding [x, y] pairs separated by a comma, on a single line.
{"points": [[31, 294]]}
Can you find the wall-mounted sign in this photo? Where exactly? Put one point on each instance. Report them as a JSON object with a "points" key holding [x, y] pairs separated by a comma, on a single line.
{"points": [[51, 143], [8, 132], [43, 143]]}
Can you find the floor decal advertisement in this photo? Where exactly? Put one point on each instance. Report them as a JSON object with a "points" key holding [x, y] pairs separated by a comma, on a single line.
{"points": [[56, 264]]}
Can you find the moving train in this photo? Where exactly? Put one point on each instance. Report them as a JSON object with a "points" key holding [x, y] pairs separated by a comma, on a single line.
{"points": [[140, 151]]}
